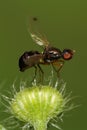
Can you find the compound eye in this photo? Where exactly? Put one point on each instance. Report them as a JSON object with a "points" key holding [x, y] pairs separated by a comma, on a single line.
{"points": [[67, 56]]}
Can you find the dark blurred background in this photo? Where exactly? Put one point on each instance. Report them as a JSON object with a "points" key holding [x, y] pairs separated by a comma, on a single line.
{"points": [[65, 25]]}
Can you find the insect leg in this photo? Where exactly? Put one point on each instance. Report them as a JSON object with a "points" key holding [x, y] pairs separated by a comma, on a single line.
{"points": [[35, 74], [41, 73], [59, 65]]}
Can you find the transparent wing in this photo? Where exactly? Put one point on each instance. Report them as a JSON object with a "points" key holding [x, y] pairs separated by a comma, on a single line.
{"points": [[40, 40], [37, 37]]}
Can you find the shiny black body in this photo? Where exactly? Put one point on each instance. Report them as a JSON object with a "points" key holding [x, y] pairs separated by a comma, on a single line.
{"points": [[29, 59], [49, 56]]}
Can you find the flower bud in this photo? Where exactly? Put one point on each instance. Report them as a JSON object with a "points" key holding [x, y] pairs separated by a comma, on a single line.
{"points": [[37, 105]]}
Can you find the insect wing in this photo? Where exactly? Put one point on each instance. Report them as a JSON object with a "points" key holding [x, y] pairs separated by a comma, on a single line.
{"points": [[40, 40], [37, 37]]}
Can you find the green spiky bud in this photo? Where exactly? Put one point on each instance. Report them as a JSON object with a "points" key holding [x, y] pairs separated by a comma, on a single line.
{"points": [[37, 105]]}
